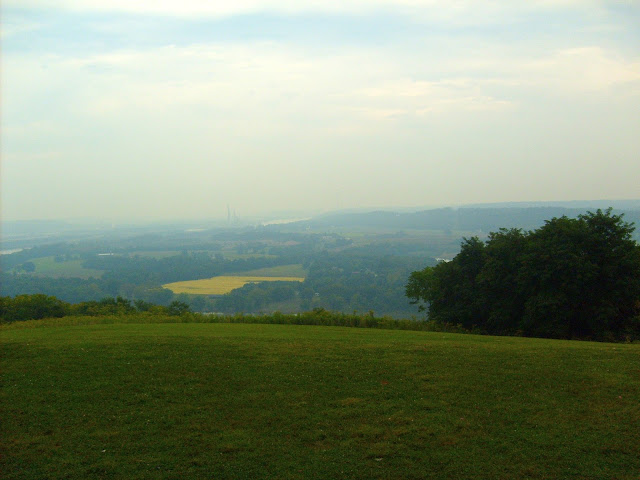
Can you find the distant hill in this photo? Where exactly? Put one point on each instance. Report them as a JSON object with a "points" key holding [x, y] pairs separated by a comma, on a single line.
{"points": [[580, 204], [480, 218]]}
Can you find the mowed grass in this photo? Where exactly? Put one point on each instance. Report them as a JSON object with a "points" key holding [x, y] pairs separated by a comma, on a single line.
{"points": [[223, 284], [237, 401], [47, 266]]}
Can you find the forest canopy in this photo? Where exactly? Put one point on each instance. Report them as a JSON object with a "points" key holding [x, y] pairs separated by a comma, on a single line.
{"points": [[571, 278]]}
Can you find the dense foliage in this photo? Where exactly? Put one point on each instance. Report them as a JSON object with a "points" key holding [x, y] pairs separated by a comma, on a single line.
{"points": [[121, 310], [32, 307], [336, 279], [571, 278], [347, 282], [35, 307]]}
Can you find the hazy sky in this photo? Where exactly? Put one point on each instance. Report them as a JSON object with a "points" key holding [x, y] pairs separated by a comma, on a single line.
{"points": [[116, 109]]}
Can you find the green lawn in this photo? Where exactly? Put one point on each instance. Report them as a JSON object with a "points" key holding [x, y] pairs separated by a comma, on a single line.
{"points": [[237, 401]]}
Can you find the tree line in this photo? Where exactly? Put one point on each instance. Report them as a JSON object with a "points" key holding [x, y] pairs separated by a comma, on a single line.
{"points": [[38, 306], [344, 281], [571, 278]]}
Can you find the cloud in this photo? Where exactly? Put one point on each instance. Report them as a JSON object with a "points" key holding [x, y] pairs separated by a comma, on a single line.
{"points": [[16, 28], [419, 98], [327, 119], [281, 86], [584, 69], [468, 12]]}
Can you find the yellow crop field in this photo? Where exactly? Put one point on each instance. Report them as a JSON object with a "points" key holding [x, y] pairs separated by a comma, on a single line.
{"points": [[222, 285]]}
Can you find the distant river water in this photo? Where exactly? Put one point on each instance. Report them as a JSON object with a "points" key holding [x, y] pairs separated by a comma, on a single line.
{"points": [[8, 252]]}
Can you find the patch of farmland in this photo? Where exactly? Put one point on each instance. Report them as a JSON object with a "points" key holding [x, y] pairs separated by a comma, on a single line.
{"points": [[243, 256], [159, 254], [293, 270], [223, 284], [48, 267]]}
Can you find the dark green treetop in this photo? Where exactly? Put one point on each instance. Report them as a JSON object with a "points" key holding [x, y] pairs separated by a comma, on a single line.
{"points": [[571, 278]]}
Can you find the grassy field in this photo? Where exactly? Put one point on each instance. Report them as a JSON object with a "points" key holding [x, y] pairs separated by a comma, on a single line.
{"points": [[294, 270], [222, 285], [47, 266], [235, 401], [232, 255], [159, 254]]}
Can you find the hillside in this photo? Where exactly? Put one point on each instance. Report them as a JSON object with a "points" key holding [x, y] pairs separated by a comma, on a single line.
{"points": [[464, 219], [173, 400]]}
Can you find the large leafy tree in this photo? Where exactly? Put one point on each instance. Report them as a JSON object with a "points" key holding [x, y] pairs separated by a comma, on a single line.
{"points": [[570, 278], [27, 307], [450, 288]]}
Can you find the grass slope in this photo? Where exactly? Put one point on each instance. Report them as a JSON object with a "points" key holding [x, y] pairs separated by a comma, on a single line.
{"points": [[176, 401]]}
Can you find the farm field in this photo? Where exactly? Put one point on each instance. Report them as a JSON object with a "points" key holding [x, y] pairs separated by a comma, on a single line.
{"points": [[159, 254], [223, 284], [238, 401], [294, 270], [232, 255], [47, 266]]}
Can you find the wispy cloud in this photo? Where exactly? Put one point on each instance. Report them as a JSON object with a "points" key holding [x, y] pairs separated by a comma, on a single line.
{"points": [[304, 93], [453, 11], [584, 69]]}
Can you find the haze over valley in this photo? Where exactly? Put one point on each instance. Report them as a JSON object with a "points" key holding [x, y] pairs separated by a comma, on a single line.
{"points": [[137, 111]]}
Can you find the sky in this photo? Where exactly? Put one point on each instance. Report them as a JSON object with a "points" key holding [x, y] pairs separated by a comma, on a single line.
{"points": [[161, 109]]}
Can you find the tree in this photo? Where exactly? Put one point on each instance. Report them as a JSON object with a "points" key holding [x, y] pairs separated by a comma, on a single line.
{"points": [[584, 273], [106, 306], [29, 267], [498, 276], [571, 278], [28, 307], [177, 308], [450, 288]]}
